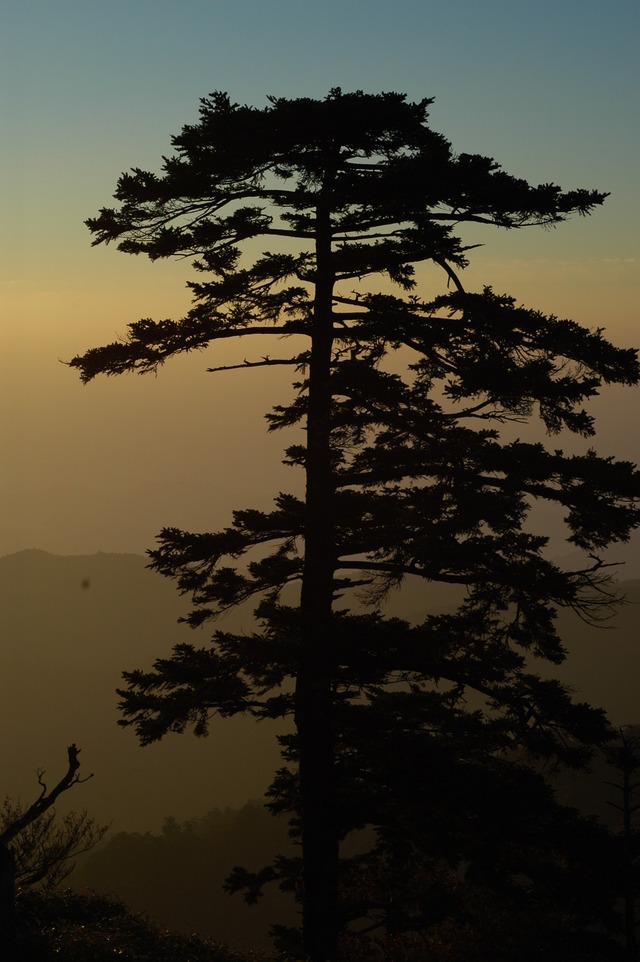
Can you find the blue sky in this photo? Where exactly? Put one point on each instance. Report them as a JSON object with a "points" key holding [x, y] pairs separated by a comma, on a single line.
{"points": [[550, 89]]}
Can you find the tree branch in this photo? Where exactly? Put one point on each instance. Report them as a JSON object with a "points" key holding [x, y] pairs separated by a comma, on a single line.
{"points": [[450, 273], [46, 800], [265, 362]]}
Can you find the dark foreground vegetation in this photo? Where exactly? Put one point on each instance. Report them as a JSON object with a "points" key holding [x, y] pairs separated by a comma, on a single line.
{"points": [[73, 926]]}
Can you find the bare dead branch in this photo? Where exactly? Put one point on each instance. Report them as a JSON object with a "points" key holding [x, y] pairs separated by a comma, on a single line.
{"points": [[46, 800]]}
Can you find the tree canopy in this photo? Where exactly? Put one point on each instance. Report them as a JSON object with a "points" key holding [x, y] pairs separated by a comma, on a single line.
{"points": [[403, 403]]}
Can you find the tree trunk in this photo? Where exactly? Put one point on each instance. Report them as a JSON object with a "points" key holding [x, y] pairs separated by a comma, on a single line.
{"points": [[8, 931], [630, 886], [313, 705]]}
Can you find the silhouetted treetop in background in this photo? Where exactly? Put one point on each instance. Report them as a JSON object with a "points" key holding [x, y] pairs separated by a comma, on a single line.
{"points": [[401, 401]]}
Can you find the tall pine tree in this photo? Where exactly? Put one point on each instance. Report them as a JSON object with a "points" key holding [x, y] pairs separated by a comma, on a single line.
{"points": [[409, 473]]}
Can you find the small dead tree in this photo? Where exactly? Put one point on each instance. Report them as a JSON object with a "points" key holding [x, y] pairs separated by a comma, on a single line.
{"points": [[36, 848]]}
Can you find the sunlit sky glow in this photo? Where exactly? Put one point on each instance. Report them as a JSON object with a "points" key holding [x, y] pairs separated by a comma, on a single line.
{"points": [[550, 90]]}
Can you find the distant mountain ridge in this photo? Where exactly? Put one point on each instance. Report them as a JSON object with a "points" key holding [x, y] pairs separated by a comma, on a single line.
{"points": [[69, 626]]}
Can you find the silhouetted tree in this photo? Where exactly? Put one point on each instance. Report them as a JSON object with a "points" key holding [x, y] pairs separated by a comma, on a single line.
{"points": [[402, 400], [44, 850], [36, 848]]}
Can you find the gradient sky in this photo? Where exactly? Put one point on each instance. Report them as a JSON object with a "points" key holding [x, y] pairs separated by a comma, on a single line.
{"points": [[550, 89]]}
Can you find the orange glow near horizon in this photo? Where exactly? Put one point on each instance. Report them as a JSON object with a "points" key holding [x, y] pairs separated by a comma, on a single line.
{"points": [[91, 96]]}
